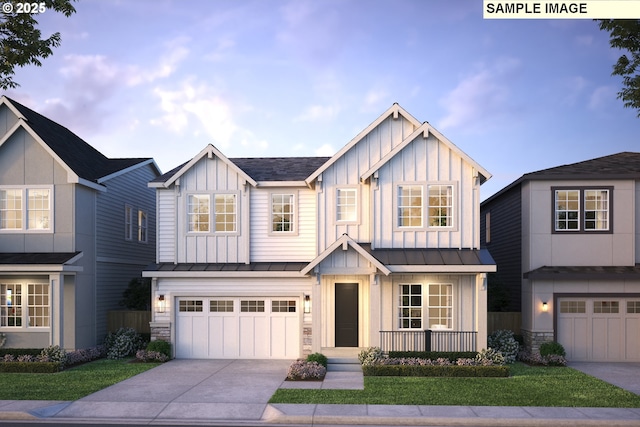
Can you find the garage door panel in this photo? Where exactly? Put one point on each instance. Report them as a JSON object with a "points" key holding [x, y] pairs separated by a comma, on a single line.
{"points": [[223, 337], [573, 335], [284, 336], [632, 338], [254, 331]]}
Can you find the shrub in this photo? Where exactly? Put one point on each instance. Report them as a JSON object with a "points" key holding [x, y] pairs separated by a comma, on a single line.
{"points": [[123, 343], [435, 371], [151, 356], [19, 351], [303, 370], [490, 357], [537, 359], [370, 355], [453, 356], [551, 347], [318, 357], [504, 341], [54, 353], [85, 355], [160, 346]]}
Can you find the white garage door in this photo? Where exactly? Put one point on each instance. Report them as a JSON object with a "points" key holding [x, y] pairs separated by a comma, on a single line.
{"points": [[600, 329], [231, 328]]}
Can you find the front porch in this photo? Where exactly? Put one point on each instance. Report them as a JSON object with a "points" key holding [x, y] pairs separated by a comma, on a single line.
{"points": [[428, 340]]}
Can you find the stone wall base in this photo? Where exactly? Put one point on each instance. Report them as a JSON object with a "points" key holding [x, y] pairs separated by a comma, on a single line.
{"points": [[307, 339], [160, 331], [532, 339]]}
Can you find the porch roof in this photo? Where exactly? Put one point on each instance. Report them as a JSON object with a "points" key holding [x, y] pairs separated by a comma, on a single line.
{"points": [[585, 273], [434, 260], [39, 261]]}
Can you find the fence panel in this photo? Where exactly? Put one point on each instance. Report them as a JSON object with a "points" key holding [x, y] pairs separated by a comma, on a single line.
{"points": [[506, 320], [138, 320]]}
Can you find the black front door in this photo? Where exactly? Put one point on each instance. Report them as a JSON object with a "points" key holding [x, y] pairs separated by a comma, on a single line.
{"points": [[346, 298]]}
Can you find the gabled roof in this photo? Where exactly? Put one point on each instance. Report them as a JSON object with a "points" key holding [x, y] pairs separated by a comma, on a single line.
{"points": [[210, 151], [81, 158], [40, 261], [425, 129], [394, 111], [624, 165], [344, 242]]}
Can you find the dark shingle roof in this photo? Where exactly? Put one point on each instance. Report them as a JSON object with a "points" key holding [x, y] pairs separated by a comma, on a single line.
{"points": [[268, 168], [237, 267], [37, 258], [625, 165], [87, 162], [279, 168], [585, 273]]}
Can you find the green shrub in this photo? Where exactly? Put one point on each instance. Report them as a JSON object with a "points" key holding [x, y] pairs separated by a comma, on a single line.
{"points": [[551, 347], [435, 371], [453, 356], [20, 351], [54, 353], [504, 341], [369, 355], [160, 346], [123, 343], [320, 358], [30, 367]]}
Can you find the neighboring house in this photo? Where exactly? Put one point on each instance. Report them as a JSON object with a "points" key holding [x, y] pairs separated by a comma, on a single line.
{"points": [[75, 228], [567, 239], [279, 257]]}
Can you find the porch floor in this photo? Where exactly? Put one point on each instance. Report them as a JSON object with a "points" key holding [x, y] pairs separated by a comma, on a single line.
{"points": [[341, 352]]}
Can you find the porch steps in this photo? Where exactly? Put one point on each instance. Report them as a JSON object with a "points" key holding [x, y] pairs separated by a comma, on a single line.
{"points": [[343, 364]]}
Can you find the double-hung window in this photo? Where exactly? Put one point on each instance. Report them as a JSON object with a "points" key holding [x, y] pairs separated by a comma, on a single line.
{"points": [[430, 305], [440, 205], [346, 205], [128, 222], [410, 206], [582, 209], [18, 299], [25, 209], [224, 213], [283, 213], [226, 216], [142, 226], [198, 208]]}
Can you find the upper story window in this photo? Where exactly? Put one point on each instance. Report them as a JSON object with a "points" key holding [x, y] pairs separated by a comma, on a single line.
{"points": [[25, 209], [282, 213], [142, 226], [226, 216], [128, 222], [410, 206], [347, 205], [198, 212], [582, 209], [440, 205]]}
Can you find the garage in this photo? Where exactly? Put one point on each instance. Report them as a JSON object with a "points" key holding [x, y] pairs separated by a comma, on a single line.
{"points": [[599, 328], [232, 328]]}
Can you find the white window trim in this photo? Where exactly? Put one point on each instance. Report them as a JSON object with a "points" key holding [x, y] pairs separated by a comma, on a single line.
{"points": [[455, 210], [128, 222], [188, 213], [25, 213], [143, 238], [357, 220], [425, 303], [296, 217], [396, 206], [454, 206], [24, 292], [213, 211]]}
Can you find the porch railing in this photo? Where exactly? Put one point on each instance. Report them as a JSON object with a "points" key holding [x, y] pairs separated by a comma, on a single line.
{"points": [[428, 340]]}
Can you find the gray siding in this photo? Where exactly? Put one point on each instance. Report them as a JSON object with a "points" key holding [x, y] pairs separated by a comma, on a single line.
{"points": [[505, 247], [120, 260]]}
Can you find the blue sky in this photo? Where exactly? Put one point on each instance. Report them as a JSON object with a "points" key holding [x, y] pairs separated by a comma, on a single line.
{"points": [[153, 78]]}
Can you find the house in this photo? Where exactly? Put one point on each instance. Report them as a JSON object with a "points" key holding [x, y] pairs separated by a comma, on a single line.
{"points": [[567, 241], [75, 228], [279, 257]]}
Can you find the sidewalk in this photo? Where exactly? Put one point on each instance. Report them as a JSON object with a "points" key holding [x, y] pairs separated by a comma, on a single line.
{"points": [[236, 392]]}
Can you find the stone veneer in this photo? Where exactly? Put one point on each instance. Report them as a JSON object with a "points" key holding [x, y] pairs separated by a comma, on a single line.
{"points": [[307, 339], [532, 340], [160, 331]]}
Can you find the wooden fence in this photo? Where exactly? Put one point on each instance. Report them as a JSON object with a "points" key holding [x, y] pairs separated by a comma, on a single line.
{"points": [[504, 320], [138, 320]]}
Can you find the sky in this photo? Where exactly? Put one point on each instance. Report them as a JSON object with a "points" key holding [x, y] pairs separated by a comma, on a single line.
{"points": [[276, 78]]}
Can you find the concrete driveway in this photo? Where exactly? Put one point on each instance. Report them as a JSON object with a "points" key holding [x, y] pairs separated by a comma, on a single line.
{"points": [[624, 375], [187, 390]]}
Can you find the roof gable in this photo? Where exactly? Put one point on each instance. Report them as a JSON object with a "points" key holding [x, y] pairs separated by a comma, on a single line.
{"points": [[73, 152]]}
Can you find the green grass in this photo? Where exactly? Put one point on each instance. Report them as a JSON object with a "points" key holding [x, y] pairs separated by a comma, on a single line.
{"points": [[70, 384], [527, 386]]}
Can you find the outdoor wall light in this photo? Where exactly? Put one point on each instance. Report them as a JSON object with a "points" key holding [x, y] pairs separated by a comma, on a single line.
{"points": [[545, 306], [161, 304], [307, 304]]}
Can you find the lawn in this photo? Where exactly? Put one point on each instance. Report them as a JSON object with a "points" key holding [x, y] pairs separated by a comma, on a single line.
{"points": [[70, 384], [527, 386]]}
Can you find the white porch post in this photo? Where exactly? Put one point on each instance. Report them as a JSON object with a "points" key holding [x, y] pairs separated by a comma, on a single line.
{"points": [[481, 310], [56, 309], [317, 310]]}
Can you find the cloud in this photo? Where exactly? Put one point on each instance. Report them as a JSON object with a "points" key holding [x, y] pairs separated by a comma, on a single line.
{"points": [[325, 150], [198, 109], [315, 113], [601, 96], [480, 97]]}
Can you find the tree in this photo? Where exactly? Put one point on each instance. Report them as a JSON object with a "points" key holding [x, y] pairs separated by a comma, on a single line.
{"points": [[625, 35], [21, 42], [137, 296]]}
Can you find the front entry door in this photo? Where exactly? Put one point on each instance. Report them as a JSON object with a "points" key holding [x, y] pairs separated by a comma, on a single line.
{"points": [[346, 300]]}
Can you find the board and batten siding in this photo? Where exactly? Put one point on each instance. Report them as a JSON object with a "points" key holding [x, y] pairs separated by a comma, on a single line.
{"points": [[211, 176], [423, 162], [299, 246], [167, 224], [346, 172]]}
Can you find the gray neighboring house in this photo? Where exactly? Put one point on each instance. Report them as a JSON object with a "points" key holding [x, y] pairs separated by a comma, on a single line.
{"points": [[567, 244], [75, 228]]}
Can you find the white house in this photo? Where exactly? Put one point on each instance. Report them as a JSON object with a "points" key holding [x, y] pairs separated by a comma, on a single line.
{"points": [[279, 257]]}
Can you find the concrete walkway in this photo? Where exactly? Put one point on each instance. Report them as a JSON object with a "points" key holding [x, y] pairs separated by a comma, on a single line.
{"points": [[236, 392]]}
